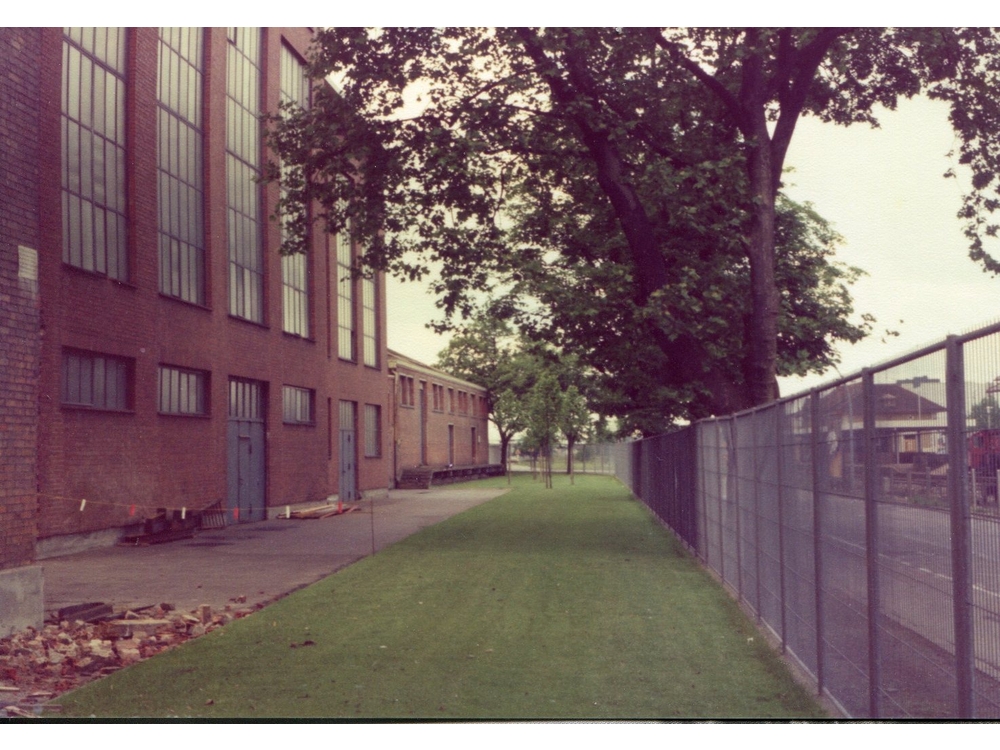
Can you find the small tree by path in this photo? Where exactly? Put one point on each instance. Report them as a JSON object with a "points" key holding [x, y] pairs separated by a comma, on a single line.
{"points": [[544, 417], [574, 422]]}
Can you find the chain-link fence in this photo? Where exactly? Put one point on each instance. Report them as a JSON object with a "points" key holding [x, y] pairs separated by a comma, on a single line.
{"points": [[587, 458], [859, 524]]}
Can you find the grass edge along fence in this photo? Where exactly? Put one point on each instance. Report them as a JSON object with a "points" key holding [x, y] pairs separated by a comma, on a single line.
{"points": [[858, 523]]}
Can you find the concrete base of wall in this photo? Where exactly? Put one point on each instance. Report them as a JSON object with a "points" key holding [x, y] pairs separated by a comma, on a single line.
{"points": [[22, 600], [70, 544]]}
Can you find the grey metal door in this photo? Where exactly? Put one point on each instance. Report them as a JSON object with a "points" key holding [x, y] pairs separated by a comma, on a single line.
{"points": [[422, 418], [247, 465], [348, 490]]}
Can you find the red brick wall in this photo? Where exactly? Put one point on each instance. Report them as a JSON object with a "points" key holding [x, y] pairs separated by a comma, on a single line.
{"points": [[19, 325], [437, 421], [158, 461]]}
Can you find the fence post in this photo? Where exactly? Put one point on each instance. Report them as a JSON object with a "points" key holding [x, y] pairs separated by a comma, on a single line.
{"points": [[814, 434], [734, 452], [871, 545], [755, 474], [961, 556], [779, 470], [722, 531]]}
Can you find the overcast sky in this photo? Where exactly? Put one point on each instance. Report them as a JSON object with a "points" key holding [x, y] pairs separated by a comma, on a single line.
{"points": [[884, 191]]}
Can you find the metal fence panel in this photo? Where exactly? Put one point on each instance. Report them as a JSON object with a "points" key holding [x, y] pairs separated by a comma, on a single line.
{"points": [[798, 554], [859, 523]]}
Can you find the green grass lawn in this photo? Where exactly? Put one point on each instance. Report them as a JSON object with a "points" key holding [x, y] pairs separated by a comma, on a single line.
{"points": [[565, 603]]}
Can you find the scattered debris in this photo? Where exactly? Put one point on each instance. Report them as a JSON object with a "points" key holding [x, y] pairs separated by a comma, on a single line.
{"points": [[36, 666], [90, 612], [300, 645], [322, 511]]}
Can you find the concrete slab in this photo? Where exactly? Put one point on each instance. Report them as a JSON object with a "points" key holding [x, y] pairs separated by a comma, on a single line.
{"points": [[21, 599], [260, 561]]}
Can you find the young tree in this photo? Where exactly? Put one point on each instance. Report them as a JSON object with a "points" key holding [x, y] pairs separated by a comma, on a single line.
{"points": [[544, 411], [508, 414], [574, 423], [640, 113]]}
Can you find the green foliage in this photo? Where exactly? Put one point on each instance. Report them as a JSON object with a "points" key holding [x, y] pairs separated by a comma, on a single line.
{"points": [[623, 185]]}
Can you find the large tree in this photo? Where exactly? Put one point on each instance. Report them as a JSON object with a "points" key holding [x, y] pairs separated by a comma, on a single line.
{"points": [[641, 114]]}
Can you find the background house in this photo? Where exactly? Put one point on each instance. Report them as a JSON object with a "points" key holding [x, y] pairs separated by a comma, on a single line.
{"points": [[438, 420]]}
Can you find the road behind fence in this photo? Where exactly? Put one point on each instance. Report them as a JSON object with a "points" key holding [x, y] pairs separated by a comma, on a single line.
{"points": [[859, 524]]}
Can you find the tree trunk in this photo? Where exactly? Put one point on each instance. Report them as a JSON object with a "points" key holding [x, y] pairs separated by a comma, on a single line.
{"points": [[762, 365], [504, 445]]}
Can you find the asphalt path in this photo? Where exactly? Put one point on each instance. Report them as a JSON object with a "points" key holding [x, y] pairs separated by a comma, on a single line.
{"points": [[245, 565]]}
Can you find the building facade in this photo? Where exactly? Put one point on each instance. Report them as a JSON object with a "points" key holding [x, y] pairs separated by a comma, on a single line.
{"points": [[20, 580], [185, 366], [438, 420]]}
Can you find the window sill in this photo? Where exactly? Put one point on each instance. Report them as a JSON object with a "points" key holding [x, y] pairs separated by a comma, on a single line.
{"points": [[253, 323], [98, 276], [186, 303], [298, 337], [97, 409]]}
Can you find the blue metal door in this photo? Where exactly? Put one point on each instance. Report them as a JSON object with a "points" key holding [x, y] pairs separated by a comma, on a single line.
{"points": [[247, 466], [348, 489]]}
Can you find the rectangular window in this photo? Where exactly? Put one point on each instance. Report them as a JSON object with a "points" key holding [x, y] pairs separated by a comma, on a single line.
{"points": [[180, 165], [243, 163], [345, 298], [182, 391], [95, 235], [451, 400], [474, 444], [406, 397], [369, 292], [373, 431], [96, 381], [298, 405], [294, 89], [437, 395]]}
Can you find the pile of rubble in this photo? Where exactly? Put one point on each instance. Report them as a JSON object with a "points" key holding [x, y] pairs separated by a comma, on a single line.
{"points": [[37, 666]]}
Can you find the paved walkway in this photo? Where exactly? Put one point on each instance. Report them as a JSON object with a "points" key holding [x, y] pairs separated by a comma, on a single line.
{"points": [[259, 561]]}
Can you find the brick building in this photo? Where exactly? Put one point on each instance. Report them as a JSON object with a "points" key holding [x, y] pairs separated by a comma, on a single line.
{"points": [[159, 360], [438, 420], [20, 580]]}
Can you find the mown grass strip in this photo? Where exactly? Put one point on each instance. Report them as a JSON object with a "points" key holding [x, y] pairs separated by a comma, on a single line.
{"points": [[570, 603]]}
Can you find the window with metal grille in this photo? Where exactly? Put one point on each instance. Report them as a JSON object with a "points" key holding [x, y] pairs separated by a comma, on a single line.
{"points": [[298, 405], [345, 299], [95, 236], [246, 399], [96, 381], [373, 431], [182, 391], [294, 89], [243, 161], [180, 162], [369, 292]]}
